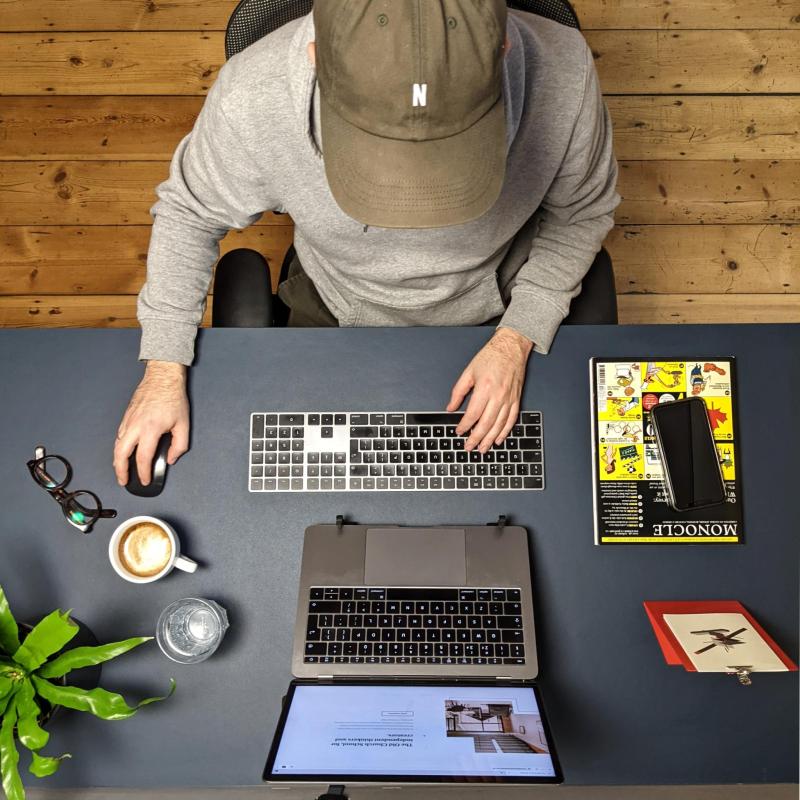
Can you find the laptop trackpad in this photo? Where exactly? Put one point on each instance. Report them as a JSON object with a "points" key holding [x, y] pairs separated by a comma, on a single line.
{"points": [[415, 557]]}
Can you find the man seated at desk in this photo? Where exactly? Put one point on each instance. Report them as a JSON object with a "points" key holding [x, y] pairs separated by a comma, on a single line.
{"points": [[444, 163]]}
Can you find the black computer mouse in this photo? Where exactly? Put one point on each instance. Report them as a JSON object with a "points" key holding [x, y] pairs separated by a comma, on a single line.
{"points": [[159, 474]]}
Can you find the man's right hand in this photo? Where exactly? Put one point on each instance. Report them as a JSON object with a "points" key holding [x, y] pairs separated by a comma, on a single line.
{"points": [[158, 406]]}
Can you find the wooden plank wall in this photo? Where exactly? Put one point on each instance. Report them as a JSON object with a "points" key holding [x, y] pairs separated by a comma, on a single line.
{"points": [[704, 96]]}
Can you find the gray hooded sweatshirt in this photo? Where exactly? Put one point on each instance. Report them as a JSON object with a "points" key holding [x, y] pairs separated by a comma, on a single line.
{"points": [[254, 149]]}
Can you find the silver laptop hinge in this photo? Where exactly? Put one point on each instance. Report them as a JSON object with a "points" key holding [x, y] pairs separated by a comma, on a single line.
{"points": [[504, 678]]}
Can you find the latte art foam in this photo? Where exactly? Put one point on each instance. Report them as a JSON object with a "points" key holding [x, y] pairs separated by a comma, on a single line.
{"points": [[145, 550]]}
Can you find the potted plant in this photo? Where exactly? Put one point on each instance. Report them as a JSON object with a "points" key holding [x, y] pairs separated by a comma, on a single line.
{"points": [[32, 685]]}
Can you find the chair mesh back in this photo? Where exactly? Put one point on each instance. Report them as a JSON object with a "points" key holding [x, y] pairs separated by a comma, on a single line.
{"points": [[254, 19], [558, 10]]}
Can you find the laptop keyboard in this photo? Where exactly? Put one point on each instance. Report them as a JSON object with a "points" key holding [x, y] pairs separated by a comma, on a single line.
{"points": [[404, 451], [371, 625]]}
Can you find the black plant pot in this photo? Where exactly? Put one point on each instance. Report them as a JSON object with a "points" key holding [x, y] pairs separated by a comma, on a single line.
{"points": [[84, 678]]}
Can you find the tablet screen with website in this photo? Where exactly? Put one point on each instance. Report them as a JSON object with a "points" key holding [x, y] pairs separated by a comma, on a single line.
{"points": [[412, 732]]}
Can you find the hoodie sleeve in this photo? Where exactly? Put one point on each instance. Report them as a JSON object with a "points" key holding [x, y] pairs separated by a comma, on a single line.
{"points": [[576, 215], [212, 188]]}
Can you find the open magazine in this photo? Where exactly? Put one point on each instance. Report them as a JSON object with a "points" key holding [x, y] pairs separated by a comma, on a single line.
{"points": [[630, 500]]}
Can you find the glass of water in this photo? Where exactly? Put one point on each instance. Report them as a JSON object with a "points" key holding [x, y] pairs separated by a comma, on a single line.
{"points": [[190, 630]]}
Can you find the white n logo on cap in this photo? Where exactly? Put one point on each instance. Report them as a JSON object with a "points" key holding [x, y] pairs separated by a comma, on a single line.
{"points": [[420, 94]]}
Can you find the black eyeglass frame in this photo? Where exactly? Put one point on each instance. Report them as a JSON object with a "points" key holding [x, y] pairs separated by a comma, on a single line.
{"points": [[62, 497]]}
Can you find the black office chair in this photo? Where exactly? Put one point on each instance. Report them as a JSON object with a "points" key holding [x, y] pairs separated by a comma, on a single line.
{"points": [[243, 296]]}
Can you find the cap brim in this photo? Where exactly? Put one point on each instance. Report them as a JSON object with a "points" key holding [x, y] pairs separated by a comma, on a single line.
{"points": [[395, 183]]}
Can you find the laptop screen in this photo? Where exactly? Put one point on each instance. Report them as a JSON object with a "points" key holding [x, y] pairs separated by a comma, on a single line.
{"points": [[403, 732]]}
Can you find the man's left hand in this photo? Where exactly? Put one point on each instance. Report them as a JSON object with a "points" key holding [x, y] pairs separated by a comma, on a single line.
{"points": [[495, 376]]}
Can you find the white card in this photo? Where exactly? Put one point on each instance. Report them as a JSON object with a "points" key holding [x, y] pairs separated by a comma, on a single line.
{"points": [[723, 642]]}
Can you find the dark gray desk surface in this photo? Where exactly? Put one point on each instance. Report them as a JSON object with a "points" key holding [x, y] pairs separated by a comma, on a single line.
{"points": [[619, 714]]}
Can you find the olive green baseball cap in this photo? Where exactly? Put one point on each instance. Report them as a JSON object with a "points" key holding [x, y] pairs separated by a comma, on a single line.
{"points": [[413, 123]]}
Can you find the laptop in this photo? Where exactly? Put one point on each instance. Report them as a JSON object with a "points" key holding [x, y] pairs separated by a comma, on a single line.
{"points": [[414, 661]]}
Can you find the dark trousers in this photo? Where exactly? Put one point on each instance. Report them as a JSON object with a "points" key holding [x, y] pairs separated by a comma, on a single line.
{"points": [[243, 295], [306, 309]]}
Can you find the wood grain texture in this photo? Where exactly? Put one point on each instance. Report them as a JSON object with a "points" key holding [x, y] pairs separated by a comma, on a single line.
{"points": [[706, 259], [119, 311], [719, 192], [697, 62], [644, 309], [705, 128], [84, 193], [649, 127], [122, 192], [98, 128], [186, 62], [683, 14], [136, 15], [115, 15], [90, 311], [169, 63], [103, 259]]}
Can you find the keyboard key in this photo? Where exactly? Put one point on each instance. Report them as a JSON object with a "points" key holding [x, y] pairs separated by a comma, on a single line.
{"points": [[363, 432], [324, 607], [257, 426]]}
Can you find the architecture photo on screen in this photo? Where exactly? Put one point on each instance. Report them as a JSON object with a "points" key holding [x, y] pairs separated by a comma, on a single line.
{"points": [[495, 727]]}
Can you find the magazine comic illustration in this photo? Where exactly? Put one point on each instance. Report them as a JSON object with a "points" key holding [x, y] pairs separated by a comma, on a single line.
{"points": [[630, 498]]}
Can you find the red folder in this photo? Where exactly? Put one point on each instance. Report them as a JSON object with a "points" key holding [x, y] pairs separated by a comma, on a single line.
{"points": [[674, 653]]}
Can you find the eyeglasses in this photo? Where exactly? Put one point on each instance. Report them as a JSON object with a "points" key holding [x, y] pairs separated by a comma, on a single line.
{"points": [[82, 508]]}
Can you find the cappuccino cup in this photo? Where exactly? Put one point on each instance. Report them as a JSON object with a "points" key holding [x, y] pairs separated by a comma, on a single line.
{"points": [[145, 549]]}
